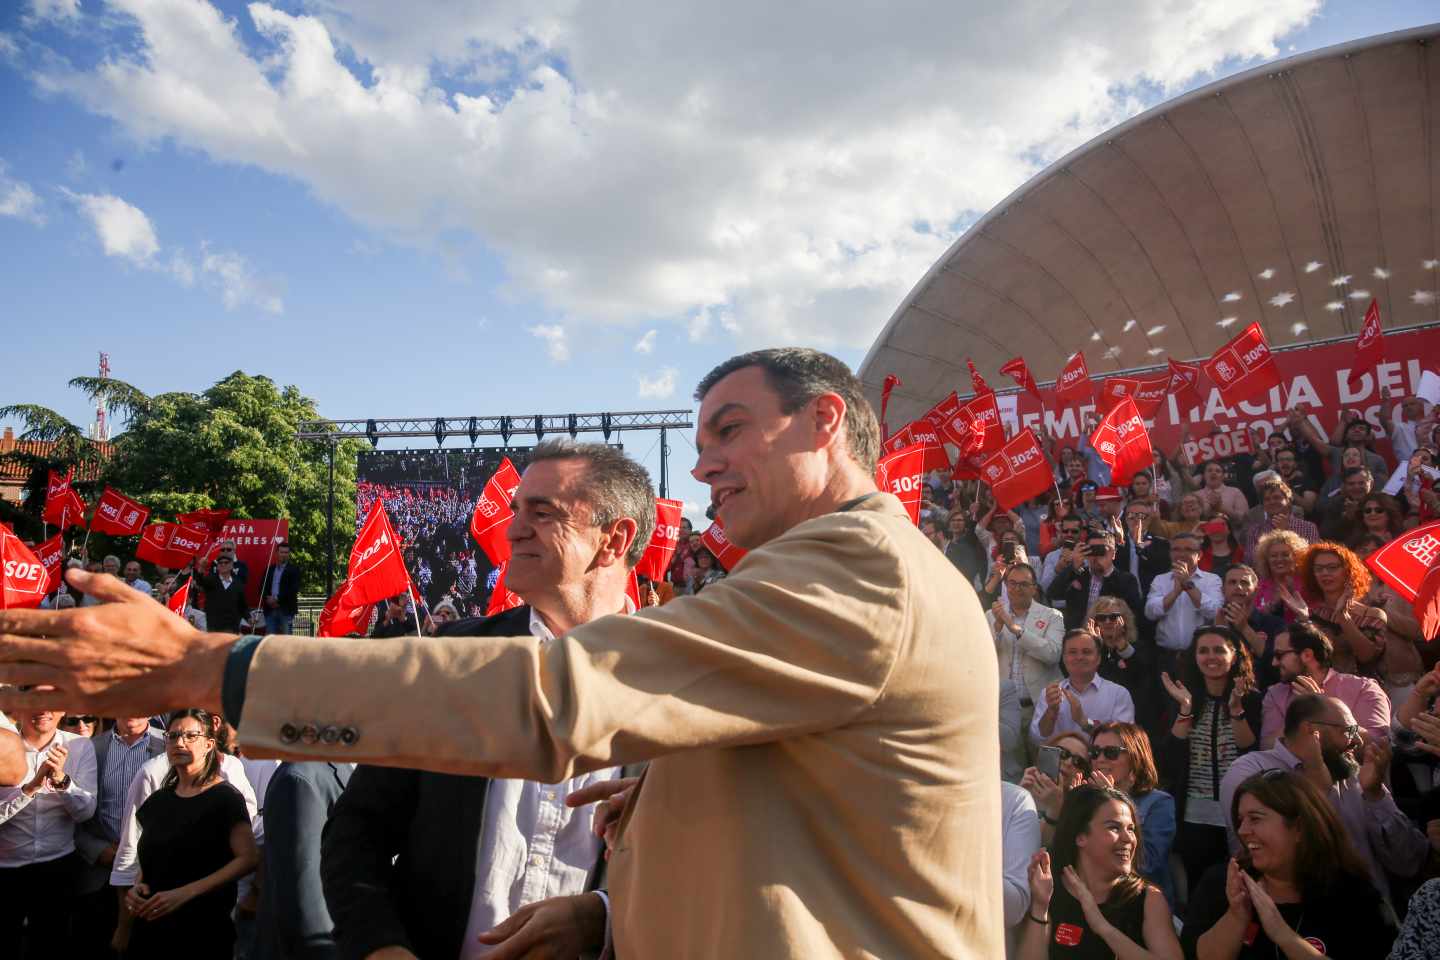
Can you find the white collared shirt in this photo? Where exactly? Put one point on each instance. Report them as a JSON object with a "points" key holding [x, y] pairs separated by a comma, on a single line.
{"points": [[1102, 701], [40, 828], [1174, 627], [531, 846]]}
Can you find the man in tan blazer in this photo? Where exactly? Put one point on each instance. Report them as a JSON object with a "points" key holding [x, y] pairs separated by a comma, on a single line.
{"points": [[821, 724]]}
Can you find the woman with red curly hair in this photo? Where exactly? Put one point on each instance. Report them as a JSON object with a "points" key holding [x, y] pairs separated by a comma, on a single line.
{"points": [[1337, 583]]}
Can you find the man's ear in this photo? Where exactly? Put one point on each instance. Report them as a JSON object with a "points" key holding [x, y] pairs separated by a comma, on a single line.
{"points": [[829, 414], [617, 542]]}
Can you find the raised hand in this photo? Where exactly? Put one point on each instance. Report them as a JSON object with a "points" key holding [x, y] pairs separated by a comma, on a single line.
{"points": [[1304, 684], [1427, 730], [1042, 884], [1239, 690], [1236, 893], [1374, 765], [1082, 896], [1297, 606], [1177, 691], [1047, 793], [1052, 696], [1266, 912]]}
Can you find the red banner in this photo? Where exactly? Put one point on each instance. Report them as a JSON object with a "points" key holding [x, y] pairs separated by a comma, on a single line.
{"points": [[1403, 562], [501, 599], [341, 616], [377, 569], [180, 599], [662, 542], [117, 514], [726, 553], [977, 381], [255, 542], [1018, 472], [1147, 392], [1244, 368], [1185, 384], [493, 514], [65, 510], [903, 474], [891, 382], [212, 521], [173, 545], [25, 577], [898, 440], [1073, 386], [51, 554], [976, 427], [1369, 346], [943, 412], [1020, 373], [1123, 442]]}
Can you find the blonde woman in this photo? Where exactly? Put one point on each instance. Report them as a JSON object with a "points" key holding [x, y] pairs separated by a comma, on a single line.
{"points": [[1277, 564]]}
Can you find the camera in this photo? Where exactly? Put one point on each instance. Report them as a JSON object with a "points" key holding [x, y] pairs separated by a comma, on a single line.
{"points": [[1009, 552], [1096, 550]]}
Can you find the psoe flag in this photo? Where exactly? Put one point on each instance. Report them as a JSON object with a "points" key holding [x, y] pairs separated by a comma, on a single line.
{"points": [[119, 515], [727, 554], [377, 569], [1018, 472], [1123, 442], [1403, 562], [493, 514], [1244, 368], [25, 577]]}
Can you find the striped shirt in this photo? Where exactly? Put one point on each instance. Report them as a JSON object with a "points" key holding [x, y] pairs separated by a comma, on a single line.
{"points": [[122, 762], [1212, 751]]}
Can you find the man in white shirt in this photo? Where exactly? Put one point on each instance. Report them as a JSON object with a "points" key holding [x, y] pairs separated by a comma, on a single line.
{"points": [[1181, 600], [1027, 643], [37, 837], [133, 580], [1083, 700]]}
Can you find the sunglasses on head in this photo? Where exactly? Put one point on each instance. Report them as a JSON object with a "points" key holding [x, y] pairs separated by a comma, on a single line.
{"points": [[1109, 753]]}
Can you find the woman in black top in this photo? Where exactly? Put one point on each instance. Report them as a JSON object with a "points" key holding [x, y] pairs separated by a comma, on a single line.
{"points": [[1300, 889], [1101, 908], [195, 843]]}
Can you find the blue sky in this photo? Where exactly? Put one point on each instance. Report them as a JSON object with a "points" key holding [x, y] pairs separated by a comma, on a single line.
{"points": [[538, 207]]}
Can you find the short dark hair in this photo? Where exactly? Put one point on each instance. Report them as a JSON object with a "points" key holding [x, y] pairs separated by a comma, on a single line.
{"points": [[799, 375], [1071, 634], [1026, 567], [1356, 471], [615, 486], [1304, 635], [1186, 535], [1306, 708], [207, 721]]}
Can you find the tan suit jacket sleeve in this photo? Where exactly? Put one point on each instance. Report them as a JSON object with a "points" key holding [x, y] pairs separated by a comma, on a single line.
{"points": [[772, 651]]}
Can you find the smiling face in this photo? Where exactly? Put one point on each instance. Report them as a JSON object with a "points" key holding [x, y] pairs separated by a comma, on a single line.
{"points": [[1074, 755], [1110, 842], [553, 537], [1330, 572], [1267, 838], [1118, 768], [132, 571], [42, 723], [762, 465], [1214, 656], [1281, 559], [1081, 653], [1191, 509], [1276, 499]]}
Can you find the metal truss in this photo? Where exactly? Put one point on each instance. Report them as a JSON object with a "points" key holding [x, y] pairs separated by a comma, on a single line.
{"points": [[505, 427]]}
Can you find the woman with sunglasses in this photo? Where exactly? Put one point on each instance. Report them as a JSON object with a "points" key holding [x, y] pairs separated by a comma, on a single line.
{"points": [[1086, 898], [1050, 794], [83, 726], [195, 845], [1298, 888], [1217, 718], [1123, 658], [1378, 515], [1121, 757]]}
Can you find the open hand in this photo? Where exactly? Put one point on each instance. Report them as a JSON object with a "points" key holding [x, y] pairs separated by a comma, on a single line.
{"points": [[1236, 893], [611, 796], [1266, 912], [561, 927], [1042, 884], [1177, 691]]}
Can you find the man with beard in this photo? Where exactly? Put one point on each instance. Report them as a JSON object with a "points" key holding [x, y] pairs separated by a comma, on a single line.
{"points": [[1302, 658], [1322, 741]]}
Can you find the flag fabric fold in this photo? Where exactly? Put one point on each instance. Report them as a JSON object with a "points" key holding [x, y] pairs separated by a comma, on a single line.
{"points": [[1073, 387], [726, 554], [1123, 442], [1369, 346], [1018, 472], [1404, 562], [1018, 371], [118, 515], [24, 576], [1244, 368], [493, 514]]}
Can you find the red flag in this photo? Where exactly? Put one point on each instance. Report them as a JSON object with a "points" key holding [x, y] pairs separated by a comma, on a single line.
{"points": [[51, 554], [945, 410], [1020, 373], [726, 553], [632, 590], [1073, 387], [171, 545], [1148, 392], [1123, 442], [181, 597], [1018, 472], [1427, 604], [923, 432], [1369, 347], [662, 542], [903, 474], [65, 510], [501, 599], [119, 515], [899, 440], [1244, 367], [377, 569], [493, 514], [341, 617], [1403, 562], [1185, 384], [25, 577], [976, 427], [211, 520], [977, 381], [891, 382]]}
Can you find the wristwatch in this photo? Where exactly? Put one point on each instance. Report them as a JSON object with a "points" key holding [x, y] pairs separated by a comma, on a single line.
{"points": [[62, 784]]}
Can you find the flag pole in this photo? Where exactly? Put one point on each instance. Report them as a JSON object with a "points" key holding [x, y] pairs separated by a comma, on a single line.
{"points": [[416, 601]]}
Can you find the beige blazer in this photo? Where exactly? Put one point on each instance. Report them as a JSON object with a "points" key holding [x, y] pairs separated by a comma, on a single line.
{"points": [[822, 726]]}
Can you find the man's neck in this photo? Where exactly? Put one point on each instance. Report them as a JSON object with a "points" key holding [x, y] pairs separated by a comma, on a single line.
{"points": [[130, 739], [37, 741], [1077, 682], [1319, 675], [1101, 571], [567, 606], [1020, 611]]}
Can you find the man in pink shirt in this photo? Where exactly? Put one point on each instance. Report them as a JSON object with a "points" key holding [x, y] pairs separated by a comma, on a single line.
{"points": [[1302, 657]]}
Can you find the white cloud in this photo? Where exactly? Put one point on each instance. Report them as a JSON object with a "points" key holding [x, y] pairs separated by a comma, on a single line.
{"points": [[659, 387], [237, 282], [798, 189], [646, 344], [18, 200], [40, 11], [122, 228], [557, 342]]}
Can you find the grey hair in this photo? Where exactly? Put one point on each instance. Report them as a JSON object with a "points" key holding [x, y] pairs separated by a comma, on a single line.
{"points": [[615, 486], [111, 556], [799, 375]]}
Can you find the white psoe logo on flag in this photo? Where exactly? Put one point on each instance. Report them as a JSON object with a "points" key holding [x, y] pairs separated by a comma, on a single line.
{"points": [[1424, 549]]}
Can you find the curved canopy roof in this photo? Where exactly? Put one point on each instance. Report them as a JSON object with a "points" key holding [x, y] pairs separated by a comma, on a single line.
{"points": [[1289, 195]]}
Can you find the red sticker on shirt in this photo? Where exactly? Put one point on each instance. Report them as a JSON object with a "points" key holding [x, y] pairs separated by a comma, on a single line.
{"points": [[1039, 624], [1318, 944], [1068, 935]]}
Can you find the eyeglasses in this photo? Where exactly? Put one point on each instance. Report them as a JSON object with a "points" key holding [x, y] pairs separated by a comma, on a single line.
{"points": [[1067, 757], [1109, 617], [1351, 729], [1373, 509], [1020, 584], [69, 721], [183, 736], [224, 560], [1109, 753]]}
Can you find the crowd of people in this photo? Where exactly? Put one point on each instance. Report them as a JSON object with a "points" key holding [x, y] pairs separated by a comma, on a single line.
{"points": [[1219, 735]]}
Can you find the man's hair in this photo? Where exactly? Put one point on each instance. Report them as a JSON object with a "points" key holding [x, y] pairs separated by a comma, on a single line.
{"points": [[1026, 568], [1187, 535], [1355, 472], [1304, 635], [1305, 708], [111, 556], [1246, 569], [614, 486], [799, 375]]}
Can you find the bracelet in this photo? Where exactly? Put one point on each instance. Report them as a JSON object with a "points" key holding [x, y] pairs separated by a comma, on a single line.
{"points": [[1034, 919], [1047, 818], [1185, 716], [1237, 716]]}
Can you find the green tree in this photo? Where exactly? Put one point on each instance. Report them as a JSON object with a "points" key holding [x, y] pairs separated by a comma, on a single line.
{"points": [[232, 446]]}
